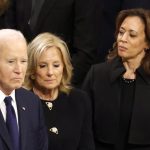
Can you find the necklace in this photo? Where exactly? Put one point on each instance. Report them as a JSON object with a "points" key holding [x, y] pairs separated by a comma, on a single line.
{"points": [[128, 81]]}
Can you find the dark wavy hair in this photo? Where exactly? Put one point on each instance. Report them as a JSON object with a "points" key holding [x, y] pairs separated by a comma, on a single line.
{"points": [[144, 15]]}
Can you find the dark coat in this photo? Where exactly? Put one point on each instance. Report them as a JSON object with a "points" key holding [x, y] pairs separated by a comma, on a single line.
{"points": [[71, 116], [31, 123], [102, 84]]}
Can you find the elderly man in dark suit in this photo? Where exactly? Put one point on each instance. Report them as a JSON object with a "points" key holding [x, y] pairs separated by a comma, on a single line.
{"points": [[21, 119], [73, 20]]}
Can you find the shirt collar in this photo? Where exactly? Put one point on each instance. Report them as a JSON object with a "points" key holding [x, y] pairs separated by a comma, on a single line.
{"points": [[2, 96]]}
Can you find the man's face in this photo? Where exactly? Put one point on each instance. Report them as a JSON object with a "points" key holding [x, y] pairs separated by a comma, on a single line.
{"points": [[13, 65]]}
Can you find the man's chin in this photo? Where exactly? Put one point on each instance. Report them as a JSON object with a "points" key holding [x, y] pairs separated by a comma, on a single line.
{"points": [[17, 86]]}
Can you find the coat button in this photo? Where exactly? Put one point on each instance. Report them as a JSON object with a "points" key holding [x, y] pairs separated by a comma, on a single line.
{"points": [[54, 130]]}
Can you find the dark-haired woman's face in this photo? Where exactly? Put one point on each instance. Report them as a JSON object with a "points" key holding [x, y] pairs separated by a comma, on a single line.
{"points": [[131, 39]]}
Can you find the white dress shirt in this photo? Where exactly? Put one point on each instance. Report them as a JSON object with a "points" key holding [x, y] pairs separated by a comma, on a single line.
{"points": [[3, 106]]}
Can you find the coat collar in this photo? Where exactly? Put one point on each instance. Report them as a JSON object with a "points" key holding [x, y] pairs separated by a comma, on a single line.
{"points": [[143, 75], [117, 69]]}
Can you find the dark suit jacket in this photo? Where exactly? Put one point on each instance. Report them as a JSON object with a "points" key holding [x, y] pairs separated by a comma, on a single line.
{"points": [[31, 123], [102, 84], [73, 20]]}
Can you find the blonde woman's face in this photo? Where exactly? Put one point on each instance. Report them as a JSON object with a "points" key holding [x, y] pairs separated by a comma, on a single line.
{"points": [[49, 69]]}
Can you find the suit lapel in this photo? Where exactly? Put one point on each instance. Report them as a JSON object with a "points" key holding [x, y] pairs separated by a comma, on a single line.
{"points": [[22, 118], [3, 131]]}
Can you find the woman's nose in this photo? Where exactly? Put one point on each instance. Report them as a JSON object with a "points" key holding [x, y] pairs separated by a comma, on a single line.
{"points": [[124, 37], [50, 71]]}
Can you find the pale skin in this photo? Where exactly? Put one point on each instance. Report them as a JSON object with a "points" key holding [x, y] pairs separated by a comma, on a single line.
{"points": [[48, 74], [13, 64], [131, 44]]}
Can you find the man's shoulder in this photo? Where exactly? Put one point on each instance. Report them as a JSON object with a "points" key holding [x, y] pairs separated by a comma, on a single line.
{"points": [[26, 95], [25, 92]]}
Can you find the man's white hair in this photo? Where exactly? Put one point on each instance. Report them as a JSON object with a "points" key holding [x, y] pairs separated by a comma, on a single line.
{"points": [[10, 34]]}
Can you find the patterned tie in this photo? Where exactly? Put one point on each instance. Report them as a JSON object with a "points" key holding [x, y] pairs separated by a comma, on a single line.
{"points": [[11, 123]]}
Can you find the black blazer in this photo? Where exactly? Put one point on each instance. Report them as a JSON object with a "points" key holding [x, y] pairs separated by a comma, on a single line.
{"points": [[73, 20], [32, 128], [71, 116], [102, 84]]}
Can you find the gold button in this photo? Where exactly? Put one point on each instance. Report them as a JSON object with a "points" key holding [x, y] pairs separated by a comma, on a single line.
{"points": [[49, 105]]}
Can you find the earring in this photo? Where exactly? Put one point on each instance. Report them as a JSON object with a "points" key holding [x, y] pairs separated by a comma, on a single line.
{"points": [[32, 77], [147, 50]]}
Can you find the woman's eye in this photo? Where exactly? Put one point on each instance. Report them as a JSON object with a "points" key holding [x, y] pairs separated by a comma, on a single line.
{"points": [[24, 61], [56, 65], [132, 35], [121, 32], [42, 66]]}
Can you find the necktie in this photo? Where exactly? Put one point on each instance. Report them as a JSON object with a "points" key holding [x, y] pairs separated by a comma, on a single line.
{"points": [[11, 123]]}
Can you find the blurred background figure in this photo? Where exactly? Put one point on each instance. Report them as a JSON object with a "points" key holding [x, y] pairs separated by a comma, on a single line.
{"points": [[67, 110], [72, 20], [87, 26], [119, 88], [4, 4]]}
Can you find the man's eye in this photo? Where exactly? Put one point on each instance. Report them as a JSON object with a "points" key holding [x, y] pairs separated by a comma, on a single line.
{"points": [[10, 61]]}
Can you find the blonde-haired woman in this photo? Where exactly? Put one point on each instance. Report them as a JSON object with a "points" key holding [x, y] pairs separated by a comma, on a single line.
{"points": [[67, 110]]}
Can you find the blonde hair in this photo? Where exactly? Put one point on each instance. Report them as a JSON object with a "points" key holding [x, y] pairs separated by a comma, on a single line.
{"points": [[41, 43], [11, 34]]}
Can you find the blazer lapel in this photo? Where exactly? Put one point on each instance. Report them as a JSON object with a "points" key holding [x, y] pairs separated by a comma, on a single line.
{"points": [[3, 131], [22, 117]]}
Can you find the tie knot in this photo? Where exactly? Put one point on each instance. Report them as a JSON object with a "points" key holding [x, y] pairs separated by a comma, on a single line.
{"points": [[8, 100]]}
